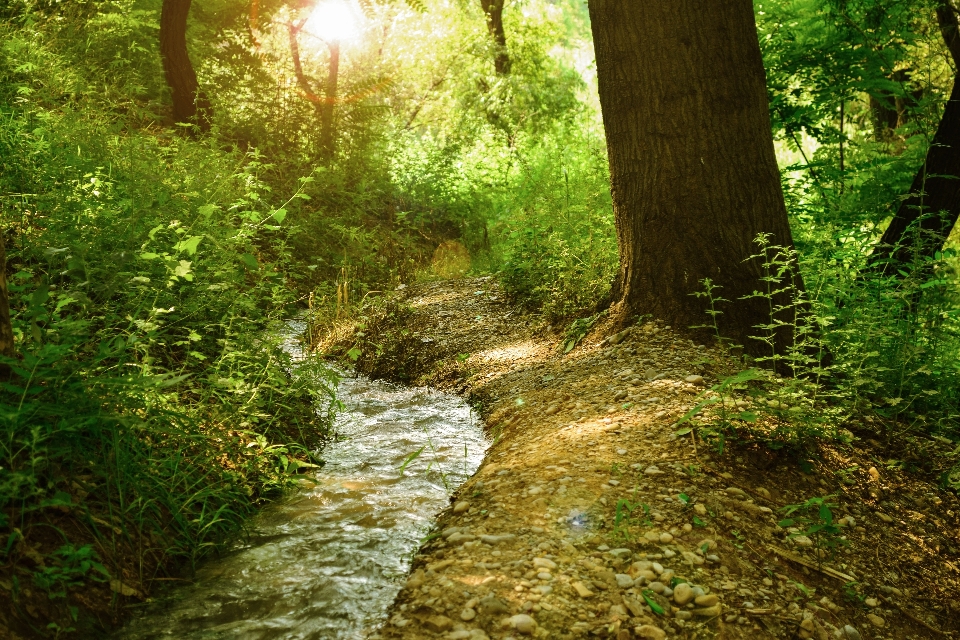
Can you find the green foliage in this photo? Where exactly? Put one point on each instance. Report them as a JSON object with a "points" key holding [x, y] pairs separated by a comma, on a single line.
{"points": [[814, 519]]}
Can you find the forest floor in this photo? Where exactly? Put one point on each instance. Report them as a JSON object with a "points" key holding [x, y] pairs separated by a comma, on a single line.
{"points": [[590, 517]]}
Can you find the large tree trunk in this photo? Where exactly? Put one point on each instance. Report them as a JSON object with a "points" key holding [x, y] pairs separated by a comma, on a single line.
{"points": [[6, 328], [493, 9], [924, 220], [189, 103], [693, 173], [328, 138]]}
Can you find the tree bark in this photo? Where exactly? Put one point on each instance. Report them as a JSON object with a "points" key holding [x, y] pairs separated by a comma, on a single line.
{"points": [[694, 178], [328, 139], [925, 219], [493, 9], [189, 103], [6, 328]]}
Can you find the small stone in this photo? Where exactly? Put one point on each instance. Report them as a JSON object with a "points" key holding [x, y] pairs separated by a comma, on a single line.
{"points": [[700, 509], [694, 379], [802, 541], [683, 594], [708, 612], [706, 545], [666, 538], [495, 540], [438, 624], [876, 620], [461, 506], [871, 602], [657, 587], [649, 632], [493, 606], [524, 624], [707, 600], [849, 633], [624, 581], [652, 470], [544, 563], [763, 492], [467, 615], [621, 452], [581, 590], [884, 517]]}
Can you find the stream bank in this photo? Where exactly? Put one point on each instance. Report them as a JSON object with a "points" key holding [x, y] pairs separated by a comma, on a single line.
{"points": [[590, 518]]}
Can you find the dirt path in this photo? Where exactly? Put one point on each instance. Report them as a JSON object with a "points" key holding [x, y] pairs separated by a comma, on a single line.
{"points": [[591, 518]]}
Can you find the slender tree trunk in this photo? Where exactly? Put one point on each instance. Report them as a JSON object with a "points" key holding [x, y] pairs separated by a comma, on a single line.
{"points": [[694, 178], [493, 9], [925, 219], [189, 103], [328, 137], [6, 328]]}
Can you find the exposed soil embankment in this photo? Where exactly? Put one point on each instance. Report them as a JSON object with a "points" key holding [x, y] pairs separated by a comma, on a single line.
{"points": [[590, 517]]}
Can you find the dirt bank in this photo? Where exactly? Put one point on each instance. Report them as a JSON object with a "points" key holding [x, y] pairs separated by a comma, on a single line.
{"points": [[591, 517]]}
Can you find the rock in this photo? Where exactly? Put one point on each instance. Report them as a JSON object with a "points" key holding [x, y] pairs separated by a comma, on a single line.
{"points": [[689, 557], [737, 492], [694, 379], [416, 580], [636, 610], [876, 620], [467, 615], [884, 517], [523, 624], [706, 545], [683, 594], [871, 602], [461, 506], [666, 538], [657, 587], [802, 541], [623, 580], [495, 540], [493, 606], [544, 563], [763, 492], [849, 633], [581, 589], [707, 600], [700, 509], [438, 624], [652, 470], [650, 632], [458, 538], [708, 612]]}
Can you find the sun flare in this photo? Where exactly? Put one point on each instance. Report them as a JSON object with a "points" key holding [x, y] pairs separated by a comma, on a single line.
{"points": [[334, 21]]}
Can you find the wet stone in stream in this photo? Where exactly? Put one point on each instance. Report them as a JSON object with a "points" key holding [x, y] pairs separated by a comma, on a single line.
{"points": [[327, 562]]}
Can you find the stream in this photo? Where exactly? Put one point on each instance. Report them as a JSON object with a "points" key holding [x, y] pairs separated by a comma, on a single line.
{"points": [[328, 561]]}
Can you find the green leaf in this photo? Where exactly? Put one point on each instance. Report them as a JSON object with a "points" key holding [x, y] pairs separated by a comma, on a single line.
{"points": [[279, 215], [656, 608], [354, 354], [410, 458], [748, 416], [684, 498], [149, 256], [207, 210], [684, 431], [189, 245], [250, 260], [786, 523]]}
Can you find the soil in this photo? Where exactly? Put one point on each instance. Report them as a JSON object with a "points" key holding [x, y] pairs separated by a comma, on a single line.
{"points": [[592, 517]]}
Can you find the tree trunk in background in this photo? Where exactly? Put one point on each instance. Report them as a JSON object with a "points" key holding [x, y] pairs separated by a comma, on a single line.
{"points": [[494, 12], [693, 173], [328, 138], [6, 329], [189, 103], [924, 220]]}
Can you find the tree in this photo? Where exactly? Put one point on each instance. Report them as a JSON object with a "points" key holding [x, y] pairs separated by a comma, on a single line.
{"points": [[189, 103], [694, 178], [493, 10], [927, 215]]}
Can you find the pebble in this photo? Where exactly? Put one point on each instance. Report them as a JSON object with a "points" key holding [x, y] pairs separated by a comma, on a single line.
{"points": [[581, 589], [544, 563], [650, 632], [884, 517], [438, 624], [461, 506], [467, 615], [707, 600], [694, 379], [523, 623], [876, 620], [494, 540], [683, 594], [871, 602], [624, 581], [848, 633]]}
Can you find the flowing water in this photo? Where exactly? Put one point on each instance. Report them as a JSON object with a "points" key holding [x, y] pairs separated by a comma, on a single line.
{"points": [[327, 562]]}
